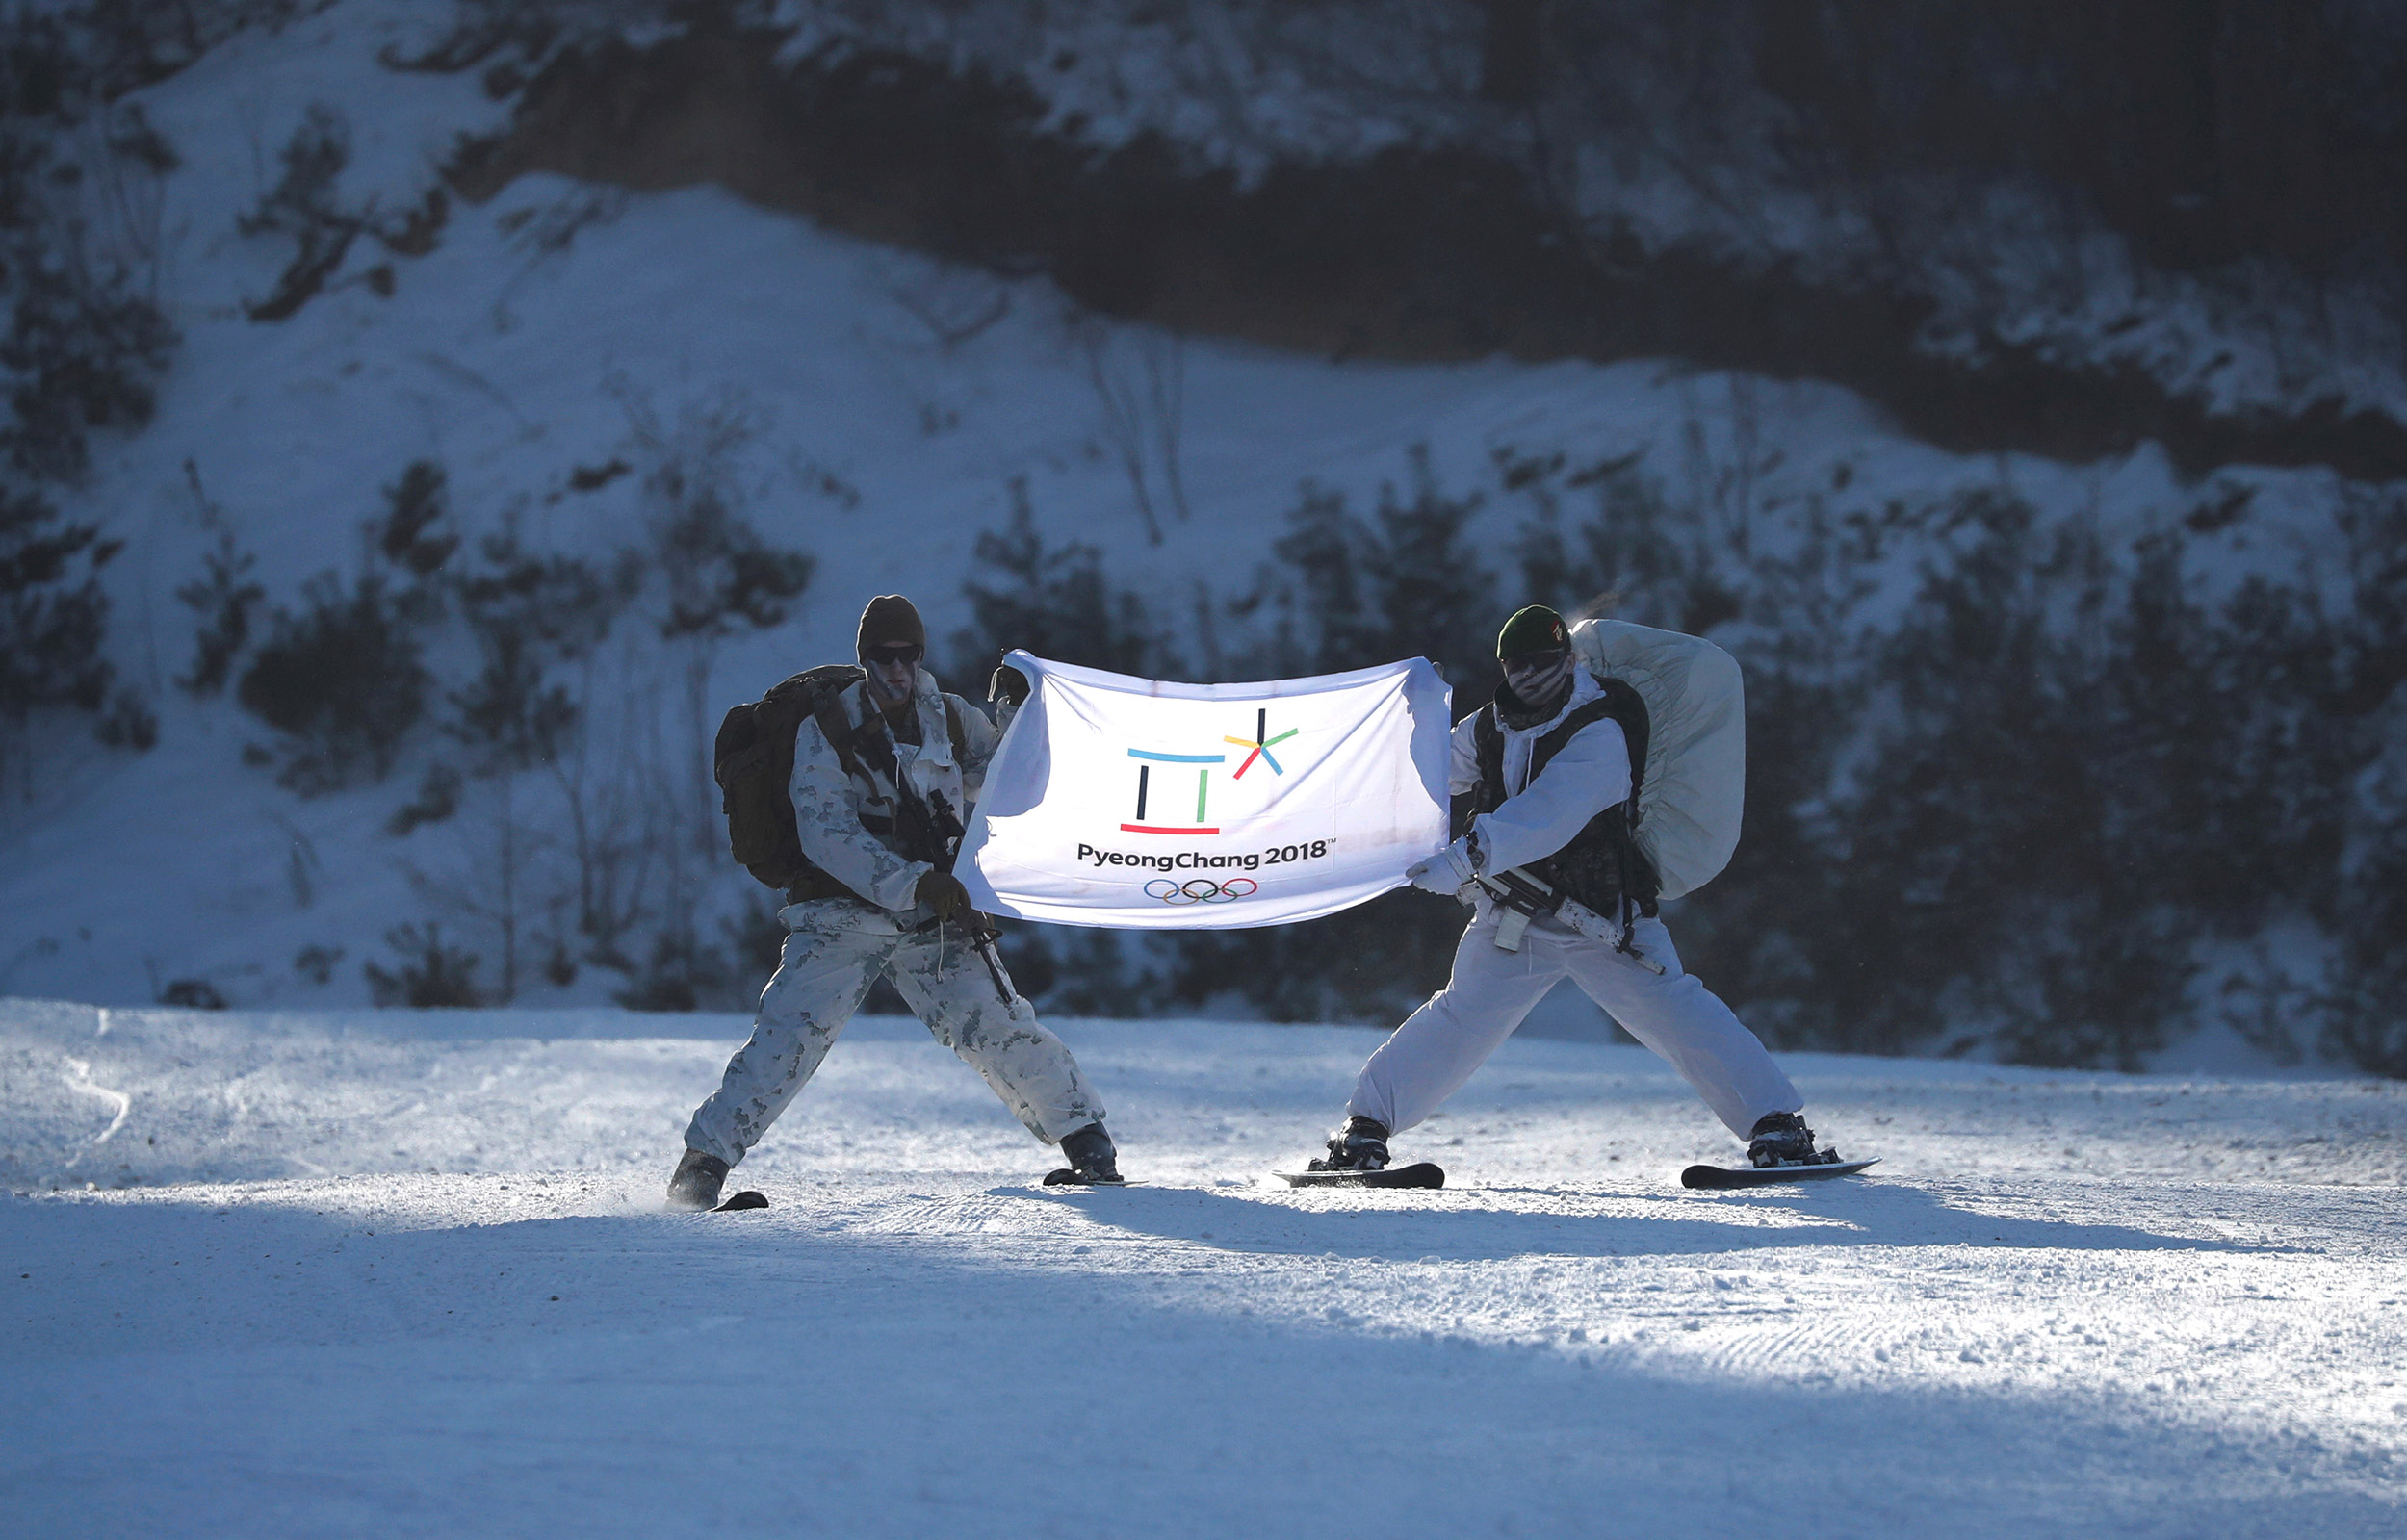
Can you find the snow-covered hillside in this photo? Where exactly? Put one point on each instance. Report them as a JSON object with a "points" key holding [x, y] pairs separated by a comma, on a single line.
{"points": [[407, 1273], [1659, 129], [869, 407]]}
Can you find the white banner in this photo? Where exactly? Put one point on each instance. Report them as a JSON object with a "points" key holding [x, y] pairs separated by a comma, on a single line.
{"points": [[1126, 802]]}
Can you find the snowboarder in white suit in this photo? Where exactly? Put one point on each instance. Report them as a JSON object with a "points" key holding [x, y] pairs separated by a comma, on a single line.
{"points": [[1548, 771], [872, 765]]}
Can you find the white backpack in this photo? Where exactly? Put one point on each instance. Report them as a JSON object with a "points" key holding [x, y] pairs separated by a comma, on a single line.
{"points": [[1695, 790]]}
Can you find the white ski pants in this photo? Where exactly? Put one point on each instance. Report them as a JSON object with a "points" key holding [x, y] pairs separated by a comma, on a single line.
{"points": [[834, 949], [1427, 1060]]}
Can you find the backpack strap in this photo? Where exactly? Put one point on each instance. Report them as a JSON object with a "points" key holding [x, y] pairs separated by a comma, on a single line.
{"points": [[1488, 738], [959, 735], [1628, 710], [840, 734], [822, 693]]}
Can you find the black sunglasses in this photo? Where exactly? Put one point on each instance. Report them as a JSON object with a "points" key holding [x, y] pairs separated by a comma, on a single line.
{"points": [[898, 653], [1530, 662]]}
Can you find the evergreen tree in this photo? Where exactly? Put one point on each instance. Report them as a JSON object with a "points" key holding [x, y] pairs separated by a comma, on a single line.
{"points": [[1353, 593], [226, 598], [342, 680], [529, 615], [53, 616], [409, 535], [85, 346], [1054, 603], [2366, 907]]}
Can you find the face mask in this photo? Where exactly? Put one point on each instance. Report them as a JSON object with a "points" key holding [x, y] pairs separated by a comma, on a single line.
{"points": [[1540, 681]]}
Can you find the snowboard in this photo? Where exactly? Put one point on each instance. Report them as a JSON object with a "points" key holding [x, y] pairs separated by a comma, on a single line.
{"points": [[1419, 1174], [1721, 1177], [745, 1199], [1067, 1177]]}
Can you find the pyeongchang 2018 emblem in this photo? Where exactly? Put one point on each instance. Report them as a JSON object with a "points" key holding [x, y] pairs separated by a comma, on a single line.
{"points": [[1199, 889], [1157, 800]]}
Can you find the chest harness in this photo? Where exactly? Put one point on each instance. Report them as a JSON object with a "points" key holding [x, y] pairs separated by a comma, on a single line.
{"points": [[1601, 867]]}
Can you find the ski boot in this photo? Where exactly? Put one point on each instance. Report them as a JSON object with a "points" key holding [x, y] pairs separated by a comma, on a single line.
{"points": [[1092, 1160], [696, 1182], [1782, 1138], [1362, 1145]]}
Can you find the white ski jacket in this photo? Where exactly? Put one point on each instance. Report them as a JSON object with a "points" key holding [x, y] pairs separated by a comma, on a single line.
{"points": [[1586, 775]]}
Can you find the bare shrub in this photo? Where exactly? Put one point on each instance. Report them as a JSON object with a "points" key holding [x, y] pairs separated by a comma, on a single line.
{"points": [[433, 973]]}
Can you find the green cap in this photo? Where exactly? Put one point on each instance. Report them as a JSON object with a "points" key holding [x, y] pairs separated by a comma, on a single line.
{"points": [[1535, 629]]}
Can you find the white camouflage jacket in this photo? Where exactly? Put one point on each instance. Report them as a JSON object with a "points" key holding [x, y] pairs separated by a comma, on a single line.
{"points": [[835, 813]]}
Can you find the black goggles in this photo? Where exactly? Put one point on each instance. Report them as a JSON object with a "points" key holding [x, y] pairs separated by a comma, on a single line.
{"points": [[896, 652]]}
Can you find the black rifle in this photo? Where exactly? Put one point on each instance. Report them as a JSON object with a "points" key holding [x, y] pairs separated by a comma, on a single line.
{"points": [[934, 834], [942, 822]]}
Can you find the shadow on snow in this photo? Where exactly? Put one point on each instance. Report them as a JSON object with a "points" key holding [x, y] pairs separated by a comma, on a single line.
{"points": [[1406, 1226]]}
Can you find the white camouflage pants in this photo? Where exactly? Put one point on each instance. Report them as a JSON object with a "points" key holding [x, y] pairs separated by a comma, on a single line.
{"points": [[1427, 1060], [834, 949]]}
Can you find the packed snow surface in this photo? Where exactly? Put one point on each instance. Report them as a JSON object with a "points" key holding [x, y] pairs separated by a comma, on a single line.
{"points": [[348, 1272]]}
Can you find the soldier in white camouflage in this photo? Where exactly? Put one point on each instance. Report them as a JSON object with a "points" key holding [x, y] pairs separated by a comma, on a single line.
{"points": [[873, 904], [1546, 776]]}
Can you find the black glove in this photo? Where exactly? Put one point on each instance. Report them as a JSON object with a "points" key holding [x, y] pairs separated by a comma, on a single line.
{"points": [[942, 892], [1009, 684]]}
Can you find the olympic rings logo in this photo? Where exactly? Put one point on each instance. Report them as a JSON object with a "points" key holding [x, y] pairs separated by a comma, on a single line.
{"points": [[1199, 889]]}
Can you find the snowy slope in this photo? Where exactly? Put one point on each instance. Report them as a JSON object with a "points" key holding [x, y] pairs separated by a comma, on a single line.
{"points": [[525, 347], [543, 323], [405, 1274]]}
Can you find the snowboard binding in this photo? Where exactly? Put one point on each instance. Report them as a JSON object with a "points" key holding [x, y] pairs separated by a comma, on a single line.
{"points": [[1782, 1138], [1361, 1145], [1094, 1161]]}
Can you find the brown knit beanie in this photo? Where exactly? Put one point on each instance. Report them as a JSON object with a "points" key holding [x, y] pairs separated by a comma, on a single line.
{"points": [[890, 618]]}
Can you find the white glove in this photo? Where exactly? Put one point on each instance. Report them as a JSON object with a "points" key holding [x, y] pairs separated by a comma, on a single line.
{"points": [[1449, 871]]}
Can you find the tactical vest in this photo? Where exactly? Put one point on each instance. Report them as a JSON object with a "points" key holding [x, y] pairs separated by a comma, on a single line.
{"points": [[869, 754], [753, 762], [1602, 864]]}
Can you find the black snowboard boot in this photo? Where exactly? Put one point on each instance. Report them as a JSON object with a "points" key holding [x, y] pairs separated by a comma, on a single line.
{"points": [[1782, 1138], [696, 1182], [1362, 1145], [1093, 1161]]}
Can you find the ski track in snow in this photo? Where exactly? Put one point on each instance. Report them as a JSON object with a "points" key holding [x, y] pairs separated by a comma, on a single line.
{"points": [[472, 1317], [79, 1078]]}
